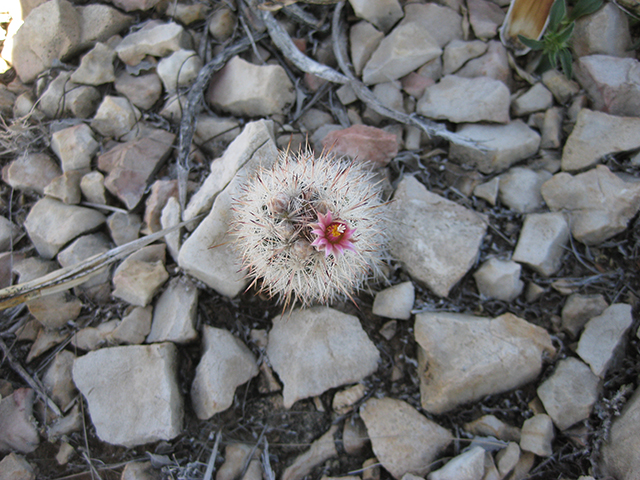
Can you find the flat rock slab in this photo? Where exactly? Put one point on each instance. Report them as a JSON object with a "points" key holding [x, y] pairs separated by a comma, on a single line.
{"points": [[436, 239], [620, 452], [462, 358], [139, 277], [155, 38], [75, 147], [226, 363], [174, 316], [469, 465], [404, 440], [542, 242], [466, 100], [319, 348], [132, 392], [500, 146], [598, 202], [444, 24], [363, 144], [52, 224], [597, 134]]}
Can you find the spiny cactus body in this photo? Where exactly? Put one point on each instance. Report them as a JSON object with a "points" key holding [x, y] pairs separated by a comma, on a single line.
{"points": [[310, 229]]}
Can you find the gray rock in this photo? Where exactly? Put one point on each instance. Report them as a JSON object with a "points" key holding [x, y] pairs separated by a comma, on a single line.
{"points": [[458, 52], [220, 267], [244, 89], [96, 66], [65, 188], [124, 227], [552, 128], [179, 69], [520, 189], [75, 147], [499, 354], [599, 203], [156, 39], [493, 64], [613, 83], [535, 99], [604, 32], [460, 100], [542, 242], [570, 393], [500, 145], [579, 309], [62, 96], [143, 91], [222, 23], [507, 458], [560, 86], [488, 191], [485, 17], [403, 440], [215, 133], [390, 96], [92, 188], [603, 337], [491, 426], [115, 117], [439, 240], [174, 315], [236, 457], [9, 232], [620, 451], [499, 279], [14, 466], [16, 419], [133, 328], [57, 379], [406, 48], [469, 465], [139, 277], [537, 435], [226, 363], [443, 24], [135, 398], [97, 287], [344, 400], [320, 451], [99, 23], [383, 14], [319, 348], [395, 302], [52, 224], [170, 218], [91, 338], [364, 39]]}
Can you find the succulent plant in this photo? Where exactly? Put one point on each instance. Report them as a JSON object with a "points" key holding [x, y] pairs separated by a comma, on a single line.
{"points": [[310, 230]]}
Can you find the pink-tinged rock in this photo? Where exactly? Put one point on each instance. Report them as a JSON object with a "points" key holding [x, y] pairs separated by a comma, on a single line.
{"points": [[494, 64], [363, 143], [115, 117], [613, 83], [131, 165], [141, 275], [131, 5], [31, 172], [143, 90], [65, 188], [415, 84], [605, 32], [16, 467], [161, 190], [485, 18], [18, 431]]}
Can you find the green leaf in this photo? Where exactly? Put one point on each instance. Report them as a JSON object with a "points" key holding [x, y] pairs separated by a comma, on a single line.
{"points": [[564, 35], [545, 64], [532, 44], [566, 62], [556, 15], [585, 7]]}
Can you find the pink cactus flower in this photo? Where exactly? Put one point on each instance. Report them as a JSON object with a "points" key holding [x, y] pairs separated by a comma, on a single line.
{"points": [[334, 237]]}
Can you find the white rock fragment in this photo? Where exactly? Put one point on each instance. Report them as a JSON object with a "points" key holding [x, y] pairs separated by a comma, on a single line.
{"points": [[31, 172], [536, 99], [468, 465], [491, 426], [485, 17], [570, 393], [395, 302], [174, 315], [461, 100], [499, 279], [135, 398], [383, 13], [170, 218], [599, 203], [499, 354], [133, 328], [75, 147], [98, 286], [244, 89], [142, 90], [16, 467], [403, 440], [502, 145], [507, 458], [344, 400], [8, 234], [58, 381], [92, 188], [319, 348], [458, 52], [620, 451], [115, 117], [488, 191], [179, 69], [406, 48], [439, 241], [579, 309], [560, 86], [444, 24], [156, 39], [364, 38], [552, 133], [520, 188], [604, 32], [226, 363], [140, 275], [604, 336], [96, 66], [320, 451], [65, 188], [124, 227], [537, 435], [542, 242]]}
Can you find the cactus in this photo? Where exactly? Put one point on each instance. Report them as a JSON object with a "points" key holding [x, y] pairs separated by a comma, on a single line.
{"points": [[310, 230]]}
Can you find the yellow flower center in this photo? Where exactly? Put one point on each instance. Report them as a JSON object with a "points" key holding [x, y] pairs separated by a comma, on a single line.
{"points": [[335, 231]]}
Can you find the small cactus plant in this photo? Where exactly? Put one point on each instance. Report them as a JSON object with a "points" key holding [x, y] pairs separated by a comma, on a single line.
{"points": [[310, 229]]}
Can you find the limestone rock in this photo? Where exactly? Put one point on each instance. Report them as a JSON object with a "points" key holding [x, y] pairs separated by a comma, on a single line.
{"points": [[562, 88], [620, 451], [383, 14], [52, 224], [156, 39], [96, 66], [226, 363], [133, 328], [493, 64], [31, 172], [439, 240], [179, 69], [92, 188], [135, 398], [542, 242], [579, 309], [319, 348], [63, 97], [458, 52], [395, 302], [485, 17], [143, 90], [124, 227], [161, 191], [244, 89], [174, 315], [75, 147], [604, 336], [468, 465], [215, 133], [57, 379], [100, 22], [499, 354], [597, 134], [537, 435], [65, 188], [604, 32], [364, 39], [520, 188], [97, 287], [499, 279], [320, 451], [115, 117], [460, 99], [443, 24], [403, 440], [16, 421], [138, 278], [535, 99], [406, 48], [16, 467], [599, 204], [491, 426], [502, 145], [570, 393], [8, 233]]}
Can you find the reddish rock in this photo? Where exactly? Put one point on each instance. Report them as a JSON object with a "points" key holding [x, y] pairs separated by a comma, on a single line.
{"points": [[366, 144], [31, 172], [415, 84], [131, 165], [161, 190]]}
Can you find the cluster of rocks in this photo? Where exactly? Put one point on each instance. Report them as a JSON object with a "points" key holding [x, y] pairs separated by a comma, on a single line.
{"points": [[105, 181]]}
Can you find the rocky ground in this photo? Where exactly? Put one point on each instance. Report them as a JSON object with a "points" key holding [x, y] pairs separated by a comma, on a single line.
{"points": [[504, 343]]}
